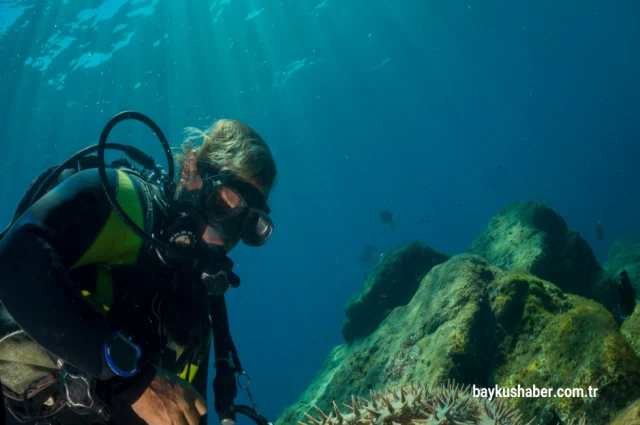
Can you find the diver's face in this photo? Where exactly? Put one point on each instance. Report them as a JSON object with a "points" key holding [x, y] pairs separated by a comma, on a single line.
{"points": [[191, 181]]}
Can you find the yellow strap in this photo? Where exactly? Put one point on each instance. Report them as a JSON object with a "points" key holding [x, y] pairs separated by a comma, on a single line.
{"points": [[193, 369], [117, 244]]}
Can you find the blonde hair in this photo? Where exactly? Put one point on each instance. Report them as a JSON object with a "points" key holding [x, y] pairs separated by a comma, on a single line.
{"points": [[232, 146]]}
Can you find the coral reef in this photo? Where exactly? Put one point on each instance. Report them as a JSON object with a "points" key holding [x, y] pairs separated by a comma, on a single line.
{"points": [[392, 283]]}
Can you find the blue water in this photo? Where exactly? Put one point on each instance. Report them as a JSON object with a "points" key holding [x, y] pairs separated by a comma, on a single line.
{"points": [[449, 110]]}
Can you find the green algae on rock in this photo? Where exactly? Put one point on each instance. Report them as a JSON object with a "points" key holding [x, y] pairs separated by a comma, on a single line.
{"points": [[630, 329], [440, 334], [567, 342], [629, 416], [531, 237], [392, 283], [480, 325]]}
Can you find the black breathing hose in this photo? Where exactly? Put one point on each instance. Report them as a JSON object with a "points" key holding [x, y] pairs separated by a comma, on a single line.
{"points": [[252, 414], [126, 115]]}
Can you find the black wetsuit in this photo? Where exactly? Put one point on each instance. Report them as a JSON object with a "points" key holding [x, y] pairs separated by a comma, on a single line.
{"points": [[54, 263]]}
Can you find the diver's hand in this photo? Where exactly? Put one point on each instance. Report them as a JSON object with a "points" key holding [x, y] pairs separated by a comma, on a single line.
{"points": [[170, 400], [225, 391]]}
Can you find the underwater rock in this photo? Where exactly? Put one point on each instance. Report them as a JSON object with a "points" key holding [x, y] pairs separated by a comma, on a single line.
{"points": [[479, 325], [392, 283], [444, 332], [625, 255], [531, 237], [630, 329], [554, 340], [629, 416]]}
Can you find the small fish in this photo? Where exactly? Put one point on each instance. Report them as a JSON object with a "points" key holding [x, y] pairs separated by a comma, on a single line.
{"points": [[387, 218], [368, 254], [617, 174], [599, 230]]}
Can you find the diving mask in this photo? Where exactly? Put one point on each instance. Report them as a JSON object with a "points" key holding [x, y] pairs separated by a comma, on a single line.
{"points": [[233, 207]]}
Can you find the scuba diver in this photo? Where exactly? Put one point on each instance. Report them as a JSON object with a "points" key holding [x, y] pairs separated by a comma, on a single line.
{"points": [[112, 281]]}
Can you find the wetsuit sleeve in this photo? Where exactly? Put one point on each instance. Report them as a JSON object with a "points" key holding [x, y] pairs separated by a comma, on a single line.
{"points": [[35, 258], [221, 343], [223, 347]]}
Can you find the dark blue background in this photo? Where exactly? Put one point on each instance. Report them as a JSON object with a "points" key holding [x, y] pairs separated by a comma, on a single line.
{"points": [[415, 107]]}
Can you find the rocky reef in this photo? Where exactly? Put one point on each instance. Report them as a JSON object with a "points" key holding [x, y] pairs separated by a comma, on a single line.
{"points": [[531, 237], [527, 305], [392, 283], [625, 255]]}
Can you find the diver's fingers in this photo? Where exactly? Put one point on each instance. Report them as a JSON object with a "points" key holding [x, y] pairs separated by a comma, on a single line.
{"points": [[201, 405], [191, 417]]}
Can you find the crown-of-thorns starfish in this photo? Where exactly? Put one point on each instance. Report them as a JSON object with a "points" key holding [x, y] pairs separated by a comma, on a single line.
{"points": [[420, 405]]}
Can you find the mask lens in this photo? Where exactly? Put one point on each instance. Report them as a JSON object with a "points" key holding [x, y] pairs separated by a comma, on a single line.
{"points": [[224, 201], [257, 228]]}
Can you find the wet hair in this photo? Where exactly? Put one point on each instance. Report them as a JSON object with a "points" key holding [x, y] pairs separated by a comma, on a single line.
{"points": [[230, 146]]}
